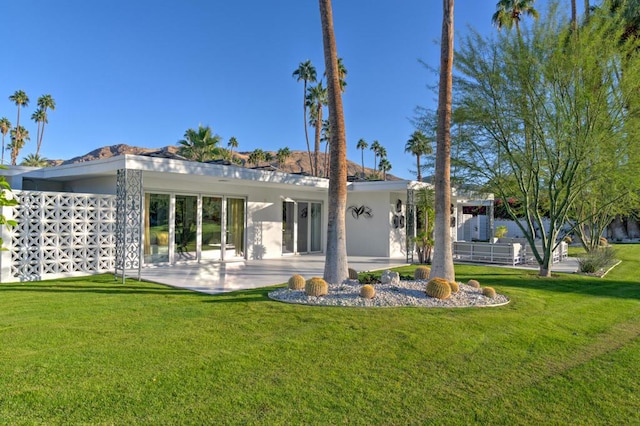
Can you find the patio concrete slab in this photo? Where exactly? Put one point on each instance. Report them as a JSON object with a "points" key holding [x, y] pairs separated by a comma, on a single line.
{"points": [[222, 277]]}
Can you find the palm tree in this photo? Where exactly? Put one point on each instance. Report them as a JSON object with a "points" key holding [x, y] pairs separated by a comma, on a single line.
{"points": [[282, 155], [342, 75], [307, 73], [326, 138], [5, 126], [34, 160], [40, 117], [199, 145], [256, 156], [362, 145], [418, 145], [233, 143], [375, 147], [335, 267], [316, 98], [19, 135], [509, 13], [442, 266], [19, 98], [384, 167], [45, 102]]}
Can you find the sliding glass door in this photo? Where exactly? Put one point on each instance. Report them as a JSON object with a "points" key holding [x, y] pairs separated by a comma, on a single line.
{"points": [[301, 227], [180, 227]]}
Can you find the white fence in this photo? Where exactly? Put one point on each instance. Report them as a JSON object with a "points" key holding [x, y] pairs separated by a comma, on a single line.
{"points": [[58, 235]]}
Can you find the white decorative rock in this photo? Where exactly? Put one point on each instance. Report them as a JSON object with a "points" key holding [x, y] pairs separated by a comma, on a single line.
{"points": [[390, 277]]}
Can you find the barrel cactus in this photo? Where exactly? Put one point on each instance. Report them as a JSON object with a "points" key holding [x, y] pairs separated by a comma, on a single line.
{"points": [[367, 291], [422, 273], [316, 286], [473, 283], [454, 286], [296, 282], [489, 292], [438, 288], [353, 274]]}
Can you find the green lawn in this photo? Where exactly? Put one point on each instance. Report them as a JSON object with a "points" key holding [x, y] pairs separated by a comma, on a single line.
{"points": [[91, 350]]}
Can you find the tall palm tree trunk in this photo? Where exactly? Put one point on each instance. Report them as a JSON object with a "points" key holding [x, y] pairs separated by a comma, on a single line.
{"points": [[306, 130], [316, 147], [335, 267], [418, 168], [442, 266]]}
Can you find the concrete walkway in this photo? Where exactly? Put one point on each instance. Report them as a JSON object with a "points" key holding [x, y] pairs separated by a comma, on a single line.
{"points": [[219, 277]]}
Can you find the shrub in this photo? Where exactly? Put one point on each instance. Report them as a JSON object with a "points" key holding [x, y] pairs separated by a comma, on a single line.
{"points": [[367, 291], [353, 274], [296, 282], [438, 288], [473, 283], [369, 278], [316, 286], [454, 286], [422, 273], [596, 260], [489, 292]]}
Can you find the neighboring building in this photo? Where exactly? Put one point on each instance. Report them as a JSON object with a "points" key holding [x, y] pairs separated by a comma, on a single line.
{"points": [[131, 211]]}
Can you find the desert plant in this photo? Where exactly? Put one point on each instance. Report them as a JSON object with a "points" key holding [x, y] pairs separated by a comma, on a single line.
{"points": [[353, 274], [438, 288], [473, 283], [596, 260], [489, 292], [454, 286], [422, 273], [316, 286], [296, 282], [369, 278], [367, 291], [501, 231]]}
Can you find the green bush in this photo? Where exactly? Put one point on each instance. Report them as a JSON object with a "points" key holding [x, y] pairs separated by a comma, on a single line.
{"points": [[596, 260], [369, 278]]}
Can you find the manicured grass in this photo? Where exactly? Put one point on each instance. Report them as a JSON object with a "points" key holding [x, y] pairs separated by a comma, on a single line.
{"points": [[91, 350]]}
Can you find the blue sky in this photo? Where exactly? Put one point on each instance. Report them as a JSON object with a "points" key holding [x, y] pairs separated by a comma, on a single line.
{"points": [[141, 72]]}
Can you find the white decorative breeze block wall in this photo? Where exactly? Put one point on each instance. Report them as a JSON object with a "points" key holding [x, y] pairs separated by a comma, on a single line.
{"points": [[58, 235]]}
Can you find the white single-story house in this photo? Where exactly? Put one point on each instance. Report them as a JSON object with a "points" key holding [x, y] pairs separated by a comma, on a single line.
{"points": [[132, 211]]}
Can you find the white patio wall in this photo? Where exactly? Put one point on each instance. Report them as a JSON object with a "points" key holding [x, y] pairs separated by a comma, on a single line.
{"points": [[58, 235]]}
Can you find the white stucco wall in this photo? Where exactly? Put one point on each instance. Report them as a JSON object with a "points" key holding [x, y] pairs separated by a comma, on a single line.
{"points": [[374, 236]]}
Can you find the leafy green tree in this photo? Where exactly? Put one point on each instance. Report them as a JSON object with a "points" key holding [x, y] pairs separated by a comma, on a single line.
{"points": [[6, 201], [34, 160], [335, 267], [200, 145], [45, 103], [19, 135], [548, 117], [418, 145], [307, 73], [5, 127], [362, 145], [316, 99], [442, 266]]}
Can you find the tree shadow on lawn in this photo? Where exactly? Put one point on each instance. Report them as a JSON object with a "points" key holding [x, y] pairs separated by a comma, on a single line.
{"points": [[88, 288], [558, 282]]}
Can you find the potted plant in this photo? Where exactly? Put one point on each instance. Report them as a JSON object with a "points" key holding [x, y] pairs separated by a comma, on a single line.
{"points": [[500, 232]]}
